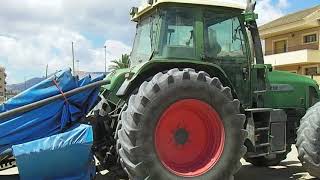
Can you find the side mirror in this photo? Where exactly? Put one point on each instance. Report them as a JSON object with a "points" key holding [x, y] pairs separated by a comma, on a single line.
{"points": [[249, 13], [133, 11]]}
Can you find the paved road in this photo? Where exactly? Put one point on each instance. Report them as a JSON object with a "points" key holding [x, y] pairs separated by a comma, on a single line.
{"points": [[290, 169]]}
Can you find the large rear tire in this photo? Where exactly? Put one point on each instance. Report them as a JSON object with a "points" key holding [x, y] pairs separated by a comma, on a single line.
{"points": [[308, 142], [182, 124]]}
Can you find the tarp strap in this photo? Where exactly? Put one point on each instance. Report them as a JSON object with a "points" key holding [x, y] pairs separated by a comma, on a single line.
{"points": [[57, 85]]}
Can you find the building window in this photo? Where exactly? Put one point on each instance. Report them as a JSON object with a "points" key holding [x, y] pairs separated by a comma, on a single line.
{"points": [[311, 71], [280, 46], [311, 38]]}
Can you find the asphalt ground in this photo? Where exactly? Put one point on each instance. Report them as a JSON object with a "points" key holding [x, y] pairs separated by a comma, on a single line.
{"points": [[290, 169]]}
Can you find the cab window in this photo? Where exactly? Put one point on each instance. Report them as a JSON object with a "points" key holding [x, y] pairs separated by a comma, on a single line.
{"points": [[178, 30], [145, 39], [142, 44], [223, 36]]}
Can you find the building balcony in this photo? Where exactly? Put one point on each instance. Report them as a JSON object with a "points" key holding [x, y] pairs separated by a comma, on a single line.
{"points": [[305, 56], [312, 46]]}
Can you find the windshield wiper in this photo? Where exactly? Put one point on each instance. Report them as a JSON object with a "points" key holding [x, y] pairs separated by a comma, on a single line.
{"points": [[152, 54]]}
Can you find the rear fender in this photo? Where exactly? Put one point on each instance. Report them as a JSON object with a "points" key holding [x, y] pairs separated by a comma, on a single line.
{"points": [[143, 72]]}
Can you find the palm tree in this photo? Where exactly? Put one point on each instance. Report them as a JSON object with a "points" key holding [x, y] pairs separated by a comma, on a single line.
{"points": [[122, 63]]}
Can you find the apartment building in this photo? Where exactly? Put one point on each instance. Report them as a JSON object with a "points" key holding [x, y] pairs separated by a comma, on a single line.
{"points": [[3, 83], [292, 43]]}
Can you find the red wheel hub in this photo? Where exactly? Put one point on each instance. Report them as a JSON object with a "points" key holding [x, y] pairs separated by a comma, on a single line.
{"points": [[189, 138]]}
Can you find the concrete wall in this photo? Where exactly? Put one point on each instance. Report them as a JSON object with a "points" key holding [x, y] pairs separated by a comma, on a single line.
{"points": [[291, 68], [316, 78], [293, 57], [295, 41]]}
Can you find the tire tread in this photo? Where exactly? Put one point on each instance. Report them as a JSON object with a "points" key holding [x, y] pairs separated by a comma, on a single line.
{"points": [[308, 142], [130, 118]]}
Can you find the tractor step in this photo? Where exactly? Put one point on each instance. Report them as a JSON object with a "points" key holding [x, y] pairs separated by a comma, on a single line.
{"points": [[263, 145], [268, 128], [262, 129]]}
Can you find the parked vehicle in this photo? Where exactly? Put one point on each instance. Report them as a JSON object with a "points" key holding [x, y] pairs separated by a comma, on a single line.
{"points": [[308, 143], [197, 96]]}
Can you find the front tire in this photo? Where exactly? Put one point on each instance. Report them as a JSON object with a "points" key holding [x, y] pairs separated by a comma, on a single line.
{"points": [[308, 142], [182, 124]]}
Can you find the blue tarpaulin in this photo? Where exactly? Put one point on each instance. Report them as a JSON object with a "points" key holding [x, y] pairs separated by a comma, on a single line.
{"points": [[49, 119], [65, 156]]}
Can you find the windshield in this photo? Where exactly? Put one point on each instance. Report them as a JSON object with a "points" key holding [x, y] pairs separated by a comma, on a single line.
{"points": [[174, 33], [178, 40], [223, 36], [145, 40]]}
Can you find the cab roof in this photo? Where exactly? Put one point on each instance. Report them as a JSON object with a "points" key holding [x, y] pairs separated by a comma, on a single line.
{"points": [[218, 3]]}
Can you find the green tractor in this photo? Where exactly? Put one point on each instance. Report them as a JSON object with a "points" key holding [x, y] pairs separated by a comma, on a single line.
{"points": [[197, 96]]}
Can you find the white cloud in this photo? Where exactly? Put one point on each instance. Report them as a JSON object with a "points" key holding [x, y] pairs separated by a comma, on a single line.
{"points": [[53, 47], [35, 33], [283, 3], [269, 11]]}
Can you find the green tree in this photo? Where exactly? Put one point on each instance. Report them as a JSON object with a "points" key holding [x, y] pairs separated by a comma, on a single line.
{"points": [[124, 62]]}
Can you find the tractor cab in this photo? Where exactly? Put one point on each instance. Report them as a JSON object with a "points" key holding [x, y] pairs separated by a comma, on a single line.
{"points": [[201, 31], [168, 29]]}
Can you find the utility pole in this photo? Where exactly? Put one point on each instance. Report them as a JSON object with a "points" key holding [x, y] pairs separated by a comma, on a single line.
{"points": [[78, 66], [105, 59], [47, 70], [73, 60]]}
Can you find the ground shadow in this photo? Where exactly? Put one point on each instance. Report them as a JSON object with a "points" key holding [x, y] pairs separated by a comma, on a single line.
{"points": [[286, 170], [9, 177], [105, 177]]}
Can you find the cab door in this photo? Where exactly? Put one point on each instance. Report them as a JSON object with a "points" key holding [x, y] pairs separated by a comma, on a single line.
{"points": [[225, 44]]}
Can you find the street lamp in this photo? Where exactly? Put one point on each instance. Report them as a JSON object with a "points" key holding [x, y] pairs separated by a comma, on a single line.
{"points": [[78, 67], [73, 69], [105, 59]]}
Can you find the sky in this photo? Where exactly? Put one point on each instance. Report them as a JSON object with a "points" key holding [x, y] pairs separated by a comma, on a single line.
{"points": [[37, 33]]}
